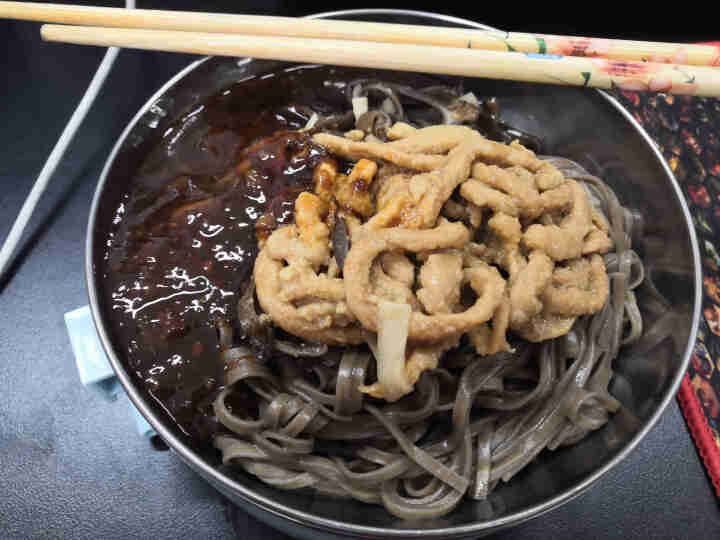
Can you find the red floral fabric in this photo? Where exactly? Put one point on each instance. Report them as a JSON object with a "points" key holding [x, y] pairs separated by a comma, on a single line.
{"points": [[686, 131]]}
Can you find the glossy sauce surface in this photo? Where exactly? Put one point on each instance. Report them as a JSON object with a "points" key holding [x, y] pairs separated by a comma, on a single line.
{"points": [[184, 242]]}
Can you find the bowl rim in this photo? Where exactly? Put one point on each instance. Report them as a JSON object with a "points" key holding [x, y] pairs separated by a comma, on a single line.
{"points": [[330, 525]]}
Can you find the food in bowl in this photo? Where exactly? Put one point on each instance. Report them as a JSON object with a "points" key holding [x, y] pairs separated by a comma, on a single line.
{"points": [[372, 287]]}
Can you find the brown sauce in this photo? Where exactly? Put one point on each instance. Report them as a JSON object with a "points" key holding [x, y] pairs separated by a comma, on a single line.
{"points": [[184, 242]]}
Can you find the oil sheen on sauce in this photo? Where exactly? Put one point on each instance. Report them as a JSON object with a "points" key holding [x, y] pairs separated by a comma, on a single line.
{"points": [[184, 238], [184, 242]]}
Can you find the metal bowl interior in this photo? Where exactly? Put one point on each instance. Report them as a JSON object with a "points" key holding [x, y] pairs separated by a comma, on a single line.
{"points": [[587, 126]]}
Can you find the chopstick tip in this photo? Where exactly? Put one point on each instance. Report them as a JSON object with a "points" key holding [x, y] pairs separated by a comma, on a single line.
{"points": [[54, 32], [46, 32]]}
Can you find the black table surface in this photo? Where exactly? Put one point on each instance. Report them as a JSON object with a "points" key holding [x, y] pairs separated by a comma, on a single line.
{"points": [[71, 463]]}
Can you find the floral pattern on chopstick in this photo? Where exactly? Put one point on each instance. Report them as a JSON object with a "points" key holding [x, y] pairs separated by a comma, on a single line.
{"points": [[571, 46], [603, 48], [650, 77]]}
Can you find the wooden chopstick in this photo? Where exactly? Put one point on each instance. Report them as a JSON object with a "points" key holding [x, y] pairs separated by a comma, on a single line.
{"points": [[549, 69], [687, 54]]}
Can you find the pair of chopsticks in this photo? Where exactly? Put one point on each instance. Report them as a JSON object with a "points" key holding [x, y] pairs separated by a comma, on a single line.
{"points": [[574, 61]]}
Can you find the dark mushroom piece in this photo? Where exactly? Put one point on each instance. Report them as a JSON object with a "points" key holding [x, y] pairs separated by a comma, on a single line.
{"points": [[490, 124], [375, 122], [335, 122], [390, 105], [301, 349], [442, 92], [465, 110], [326, 121], [340, 241], [444, 109], [446, 105], [259, 333], [253, 328]]}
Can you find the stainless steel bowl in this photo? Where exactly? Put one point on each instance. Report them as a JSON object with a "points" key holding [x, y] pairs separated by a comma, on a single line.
{"points": [[585, 125]]}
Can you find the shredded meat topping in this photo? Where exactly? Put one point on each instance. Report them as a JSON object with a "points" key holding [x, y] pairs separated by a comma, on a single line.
{"points": [[527, 288], [578, 289], [433, 216], [564, 241], [486, 281], [398, 266], [491, 339], [440, 279]]}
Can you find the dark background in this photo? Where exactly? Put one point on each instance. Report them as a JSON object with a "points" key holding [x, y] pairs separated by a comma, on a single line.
{"points": [[656, 21], [71, 464]]}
